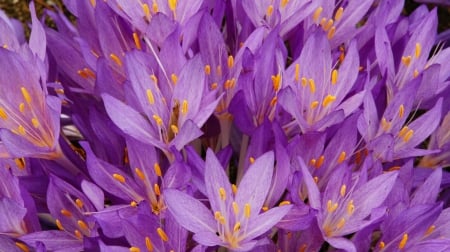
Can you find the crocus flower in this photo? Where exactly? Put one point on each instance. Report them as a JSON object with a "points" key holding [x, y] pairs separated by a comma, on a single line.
{"points": [[347, 202], [316, 95], [234, 220]]}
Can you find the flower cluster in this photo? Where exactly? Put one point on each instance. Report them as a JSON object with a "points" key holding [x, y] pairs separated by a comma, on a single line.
{"points": [[224, 125]]}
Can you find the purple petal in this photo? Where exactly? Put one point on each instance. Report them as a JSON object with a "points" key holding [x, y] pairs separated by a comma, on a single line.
{"points": [[428, 192], [266, 221], [254, 186], [54, 241], [215, 178], [189, 212]]}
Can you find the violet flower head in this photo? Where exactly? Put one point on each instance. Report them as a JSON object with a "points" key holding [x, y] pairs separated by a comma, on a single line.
{"points": [[235, 220]]}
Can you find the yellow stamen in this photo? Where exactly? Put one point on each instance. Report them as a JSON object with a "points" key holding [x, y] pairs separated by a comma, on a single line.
{"points": [[402, 243], [66, 213], [150, 97], [350, 207], [174, 129], [284, 3], [304, 82], [217, 215], [430, 230], [234, 189], [331, 207], [79, 203], [172, 4], [237, 226], [89, 72], [265, 208], [21, 130], [247, 210], [5, 46], [343, 190], [116, 59], [230, 61], [78, 234], [207, 69], [3, 114], [342, 55], [139, 173], [82, 73], [146, 10], [134, 249], [406, 60], [59, 225], [312, 86], [338, 14], [274, 101], [328, 100], [316, 179], [314, 104], [155, 7], [331, 32], [403, 131], [385, 125], [251, 160], [137, 41], [184, 107], [133, 203], [157, 169], [317, 13], [415, 73], [93, 3], [20, 163], [341, 157], [26, 95], [381, 245], [408, 135], [235, 208], [35, 122], [284, 203], [418, 50], [156, 189], [162, 234], [312, 162], [340, 224], [174, 78], [276, 82], [297, 72], [148, 244], [401, 111], [269, 11], [154, 78], [119, 177], [322, 22], [320, 161], [158, 120], [334, 76], [222, 194], [328, 25], [82, 225], [22, 246]]}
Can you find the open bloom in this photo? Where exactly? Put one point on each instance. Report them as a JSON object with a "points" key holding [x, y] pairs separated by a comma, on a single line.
{"points": [[234, 220]]}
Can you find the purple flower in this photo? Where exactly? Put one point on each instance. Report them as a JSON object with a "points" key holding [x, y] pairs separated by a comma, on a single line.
{"points": [[349, 202], [29, 117], [317, 95], [235, 220]]}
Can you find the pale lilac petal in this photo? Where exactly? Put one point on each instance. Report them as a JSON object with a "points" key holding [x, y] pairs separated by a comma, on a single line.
{"points": [[254, 186], [189, 212], [266, 221]]}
